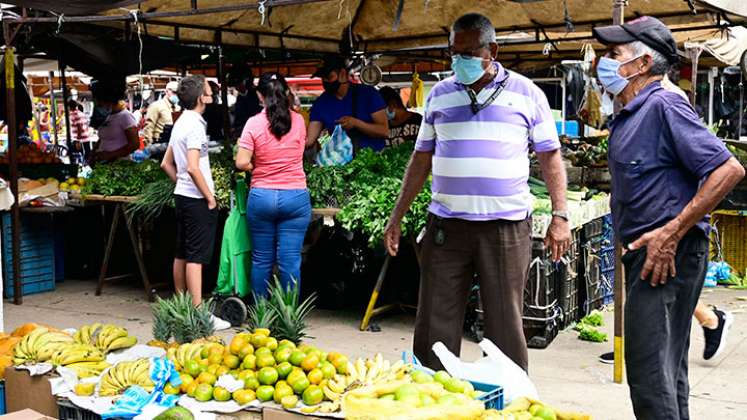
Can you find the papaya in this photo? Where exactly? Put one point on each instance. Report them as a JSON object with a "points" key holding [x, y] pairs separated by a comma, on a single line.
{"points": [[7, 344], [24, 329], [6, 361]]}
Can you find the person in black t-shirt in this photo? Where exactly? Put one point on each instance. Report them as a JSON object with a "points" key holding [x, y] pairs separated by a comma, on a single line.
{"points": [[403, 124]]}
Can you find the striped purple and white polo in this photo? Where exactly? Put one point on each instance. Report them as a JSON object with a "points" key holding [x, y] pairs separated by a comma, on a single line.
{"points": [[481, 161]]}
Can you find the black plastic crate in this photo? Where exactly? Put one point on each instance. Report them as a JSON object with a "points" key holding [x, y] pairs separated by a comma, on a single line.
{"points": [[68, 411], [551, 294]]}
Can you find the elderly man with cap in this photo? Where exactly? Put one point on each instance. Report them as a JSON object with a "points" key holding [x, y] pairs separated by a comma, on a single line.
{"points": [[159, 114], [668, 172], [359, 109]]}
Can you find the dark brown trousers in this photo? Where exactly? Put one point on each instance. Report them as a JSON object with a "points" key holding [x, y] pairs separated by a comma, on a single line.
{"points": [[453, 252]]}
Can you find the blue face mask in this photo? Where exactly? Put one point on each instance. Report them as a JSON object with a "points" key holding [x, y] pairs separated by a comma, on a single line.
{"points": [[467, 70], [390, 114], [174, 99], [608, 73]]}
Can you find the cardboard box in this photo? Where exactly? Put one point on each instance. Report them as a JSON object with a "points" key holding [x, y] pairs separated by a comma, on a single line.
{"points": [[27, 414], [24, 391]]}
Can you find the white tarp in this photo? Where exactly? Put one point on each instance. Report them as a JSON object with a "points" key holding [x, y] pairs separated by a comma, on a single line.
{"points": [[726, 46]]}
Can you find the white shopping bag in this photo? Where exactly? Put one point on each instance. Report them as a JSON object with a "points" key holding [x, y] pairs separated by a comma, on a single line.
{"points": [[495, 369]]}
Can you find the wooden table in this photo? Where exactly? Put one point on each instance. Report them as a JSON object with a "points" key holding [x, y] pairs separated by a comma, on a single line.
{"points": [[119, 213]]}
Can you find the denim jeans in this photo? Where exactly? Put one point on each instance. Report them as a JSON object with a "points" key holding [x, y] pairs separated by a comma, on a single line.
{"points": [[278, 220]]}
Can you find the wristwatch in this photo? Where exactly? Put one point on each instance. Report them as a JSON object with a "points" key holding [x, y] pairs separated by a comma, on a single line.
{"points": [[561, 214]]}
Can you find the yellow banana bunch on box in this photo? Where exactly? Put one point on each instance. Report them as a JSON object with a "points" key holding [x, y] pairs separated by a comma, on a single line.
{"points": [[74, 353], [39, 346], [88, 369], [124, 375], [180, 355], [105, 337]]}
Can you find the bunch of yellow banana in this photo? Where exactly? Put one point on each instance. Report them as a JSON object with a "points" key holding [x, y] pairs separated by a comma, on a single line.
{"points": [[88, 369], [106, 337], [325, 407], [125, 374], [179, 356], [371, 372], [39, 345], [73, 353]]}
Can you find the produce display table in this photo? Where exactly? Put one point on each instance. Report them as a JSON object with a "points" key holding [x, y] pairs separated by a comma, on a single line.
{"points": [[118, 202]]}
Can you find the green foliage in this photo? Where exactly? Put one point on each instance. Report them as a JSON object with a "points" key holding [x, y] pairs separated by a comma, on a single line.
{"points": [[153, 198], [366, 190], [123, 177], [289, 314], [587, 330]]}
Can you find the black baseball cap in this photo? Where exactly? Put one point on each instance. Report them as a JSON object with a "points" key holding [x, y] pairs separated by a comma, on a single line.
{"points": [[647, 29], [329, 65]]}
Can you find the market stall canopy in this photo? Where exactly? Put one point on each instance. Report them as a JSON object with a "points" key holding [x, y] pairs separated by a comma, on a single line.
{"points": [[372, 25], [101, 53], [74, 7], [727, 46]]}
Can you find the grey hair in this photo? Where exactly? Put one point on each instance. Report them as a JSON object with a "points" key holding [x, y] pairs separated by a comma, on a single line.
{"points": [[660, 65], [475, 22]]}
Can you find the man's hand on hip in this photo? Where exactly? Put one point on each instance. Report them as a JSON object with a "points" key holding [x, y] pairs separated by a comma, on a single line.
{"points": [[392, 233], [558, 237], [661, 248]]}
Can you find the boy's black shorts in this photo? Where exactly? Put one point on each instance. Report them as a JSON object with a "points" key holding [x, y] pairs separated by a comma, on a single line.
{"points": [[195, 229]]}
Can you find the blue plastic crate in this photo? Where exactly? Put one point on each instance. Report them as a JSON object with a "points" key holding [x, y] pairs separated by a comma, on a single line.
{"points": [[37, 254], [492, 395], [2, 398]]}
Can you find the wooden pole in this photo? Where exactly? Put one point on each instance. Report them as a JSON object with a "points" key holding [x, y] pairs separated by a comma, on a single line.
{"points": [[68, 137], [223, 87], [15, 213], [52, 110], [618, 17]]}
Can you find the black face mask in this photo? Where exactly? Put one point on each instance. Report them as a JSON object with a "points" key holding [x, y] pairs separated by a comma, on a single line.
{"points": [[331, 87], [99, 116]]}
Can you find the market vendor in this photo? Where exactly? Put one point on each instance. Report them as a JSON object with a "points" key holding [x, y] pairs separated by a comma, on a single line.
{"points": [[359, 109], [403, 124], [159, 114], [117, 128], [668, 171], [477, 128]]}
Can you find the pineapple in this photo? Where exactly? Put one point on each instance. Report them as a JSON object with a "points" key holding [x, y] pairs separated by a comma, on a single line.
{"points": [[162, 321], [290, 322], [261, 314], [179, 318]]}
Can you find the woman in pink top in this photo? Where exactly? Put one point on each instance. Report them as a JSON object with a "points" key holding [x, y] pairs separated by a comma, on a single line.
{"points": [[279, 208]]}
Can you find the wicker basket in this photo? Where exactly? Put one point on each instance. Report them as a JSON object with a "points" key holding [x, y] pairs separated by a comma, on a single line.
{"points": [[730, 234]]}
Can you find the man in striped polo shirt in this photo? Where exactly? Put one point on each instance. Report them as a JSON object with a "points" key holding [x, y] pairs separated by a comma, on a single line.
{"points": [[478, 129]]}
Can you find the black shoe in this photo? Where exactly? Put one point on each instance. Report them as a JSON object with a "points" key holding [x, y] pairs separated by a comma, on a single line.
{"points": [[715, 339], [608, 358]]}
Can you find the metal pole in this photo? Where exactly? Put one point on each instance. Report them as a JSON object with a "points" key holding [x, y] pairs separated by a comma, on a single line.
{"points": [[618, 17], [15, 217], [52, 109], [223, 87], [68, 137]]}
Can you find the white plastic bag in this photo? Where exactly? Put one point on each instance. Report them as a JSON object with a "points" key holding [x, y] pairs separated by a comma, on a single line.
{"points": [[337, 151], [495, 369]]}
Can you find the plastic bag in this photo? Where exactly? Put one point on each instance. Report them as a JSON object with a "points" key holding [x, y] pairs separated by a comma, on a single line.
{"points": [[495, 369], [136, 398], [236, 250], [337, 151]]}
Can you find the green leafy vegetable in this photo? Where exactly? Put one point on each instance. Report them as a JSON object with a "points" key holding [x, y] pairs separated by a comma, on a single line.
{"points": [[589, 333]]}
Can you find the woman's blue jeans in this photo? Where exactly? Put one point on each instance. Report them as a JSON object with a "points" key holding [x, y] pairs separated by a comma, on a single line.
{"points": [[278, 220]]}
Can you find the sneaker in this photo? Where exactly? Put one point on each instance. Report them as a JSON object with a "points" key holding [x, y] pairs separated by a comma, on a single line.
{"points": [[608, 358], [220, 324], [715, 339]]}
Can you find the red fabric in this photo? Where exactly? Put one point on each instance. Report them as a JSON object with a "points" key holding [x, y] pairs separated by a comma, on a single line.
{"points": [[278, 164]]}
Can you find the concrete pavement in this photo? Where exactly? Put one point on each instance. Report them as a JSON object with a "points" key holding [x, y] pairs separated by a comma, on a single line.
{"points": [[567, 373]]}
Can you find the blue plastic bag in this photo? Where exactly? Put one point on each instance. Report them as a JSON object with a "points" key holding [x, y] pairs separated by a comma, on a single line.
{"points": [[135, 398], [717, 272], [337, 151]]}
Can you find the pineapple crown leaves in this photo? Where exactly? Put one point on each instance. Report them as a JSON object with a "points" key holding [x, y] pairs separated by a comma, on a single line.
{"points": [[261, 314], [178, 317], [290, 323]]}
